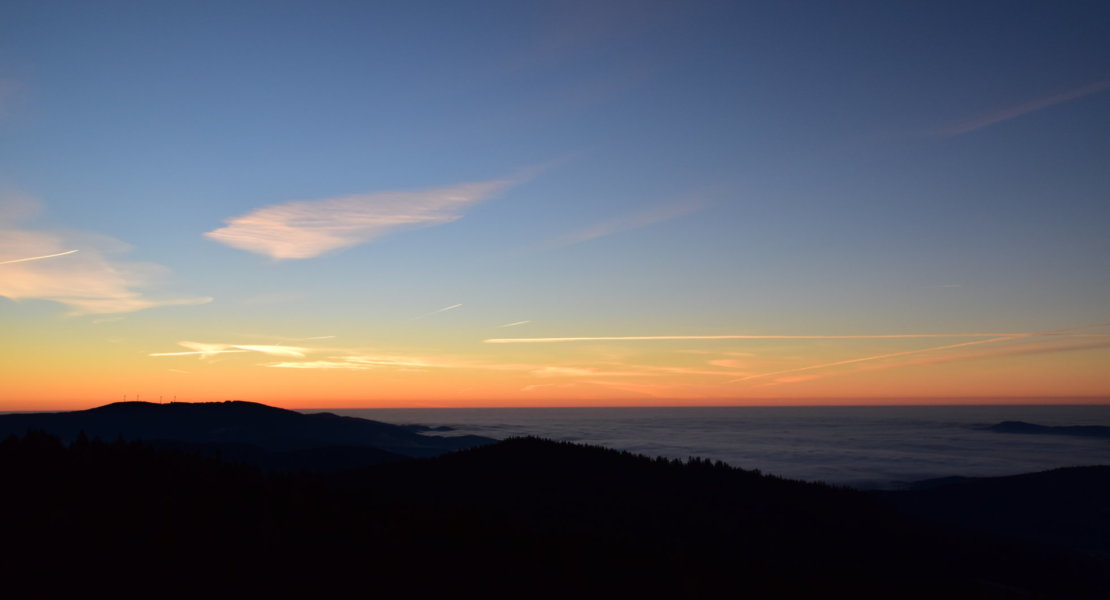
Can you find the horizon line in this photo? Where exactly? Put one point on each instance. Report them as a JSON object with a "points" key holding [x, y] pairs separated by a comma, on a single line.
{"points": [[749, 337], [756, 402]]}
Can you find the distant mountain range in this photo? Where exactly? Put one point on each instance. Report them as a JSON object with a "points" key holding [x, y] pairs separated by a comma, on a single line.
{"points": [[249, 432], [1032, 428]]}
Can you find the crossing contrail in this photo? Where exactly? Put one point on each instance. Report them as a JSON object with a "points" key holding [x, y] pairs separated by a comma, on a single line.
{"points": [[1000, 337], [879, 357]]}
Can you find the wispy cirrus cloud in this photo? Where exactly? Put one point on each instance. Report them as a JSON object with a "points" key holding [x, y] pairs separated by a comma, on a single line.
{"points": [[283, 339], [657, 369], [363, 361], [545, 371], [730, 363], [321, 364], [719, 353], [651, 216], [205, 350], [1023, 109], [404, 362], [74, 269], [586, 372], [416, 363], [309, 228]]}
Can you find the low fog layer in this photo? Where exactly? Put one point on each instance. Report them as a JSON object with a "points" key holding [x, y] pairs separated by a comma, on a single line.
{"points": [[870, 447]]}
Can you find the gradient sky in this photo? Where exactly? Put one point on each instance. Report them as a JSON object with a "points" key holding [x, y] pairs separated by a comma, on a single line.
{"points": [[358, 204]]}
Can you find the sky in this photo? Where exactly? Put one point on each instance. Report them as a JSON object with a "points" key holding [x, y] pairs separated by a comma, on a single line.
{"points": [[452, 204]]}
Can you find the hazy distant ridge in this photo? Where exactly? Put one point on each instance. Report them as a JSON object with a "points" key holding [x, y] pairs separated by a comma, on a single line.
{"points": [[1033, 428]]}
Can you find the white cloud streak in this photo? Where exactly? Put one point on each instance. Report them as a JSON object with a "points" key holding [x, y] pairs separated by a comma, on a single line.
{"points": [[46, 265], [19, 260], [402, 361], [393, 361], [1014, 112], [513, 324], [656, 338], [411, 363], [436, 312], [1059, 333], [205, 350], [871, 358], [586, 372], [321, 364], [309, 228], [946, 358], [1030, 349]]}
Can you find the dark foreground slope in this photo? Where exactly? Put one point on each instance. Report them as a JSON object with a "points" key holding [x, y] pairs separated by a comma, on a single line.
{"points": [[1063, 507], [521, 518], [245, 431]]}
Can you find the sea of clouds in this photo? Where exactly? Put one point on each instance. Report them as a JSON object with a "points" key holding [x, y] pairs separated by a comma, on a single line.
{"points": [[866, 447]]}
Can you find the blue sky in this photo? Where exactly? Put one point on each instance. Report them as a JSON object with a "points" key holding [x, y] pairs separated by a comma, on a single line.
{"points": [[593, 168]]}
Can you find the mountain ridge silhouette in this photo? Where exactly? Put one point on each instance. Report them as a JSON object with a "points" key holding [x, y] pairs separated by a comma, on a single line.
{"points": [[256, 433], [524, 517], [1022, 427]]}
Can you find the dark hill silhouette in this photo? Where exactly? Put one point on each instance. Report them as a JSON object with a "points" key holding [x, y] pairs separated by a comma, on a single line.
{"points": [[735, 530], [257, 433], [520, 518], [1067, 507], [319, 458], [1034, 429]]}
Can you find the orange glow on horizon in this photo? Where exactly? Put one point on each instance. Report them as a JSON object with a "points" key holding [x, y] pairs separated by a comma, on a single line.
{"points": [[52, 372]]}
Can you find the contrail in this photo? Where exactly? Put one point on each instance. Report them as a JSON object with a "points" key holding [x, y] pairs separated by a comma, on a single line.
{"points": [[436, 312], [196, 352], [644, 338], [19, 260], [881, 356], [1001, 337], [1023, 109], [514, 324]]}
